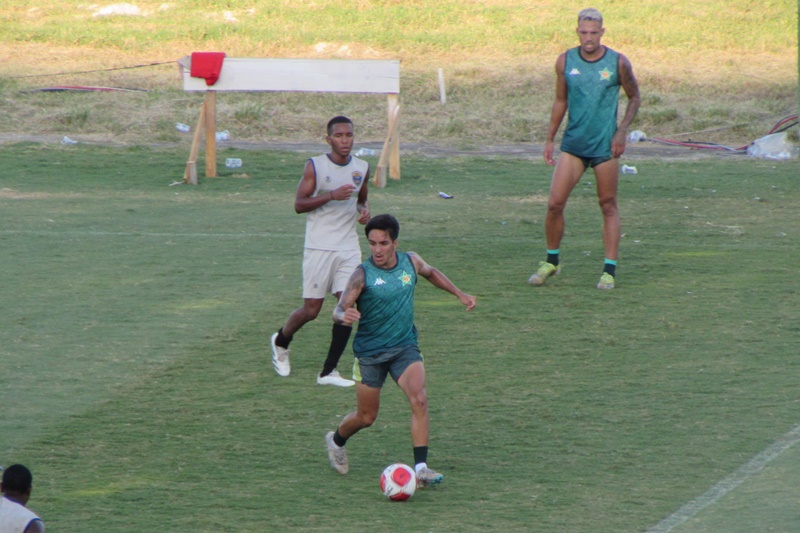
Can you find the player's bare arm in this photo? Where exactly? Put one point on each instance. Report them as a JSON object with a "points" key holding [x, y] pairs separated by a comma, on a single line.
{"points": [[438, 279], [559, 110], [305, 200], [631, 88], [345, 312], [362, 206], [37, 526]]}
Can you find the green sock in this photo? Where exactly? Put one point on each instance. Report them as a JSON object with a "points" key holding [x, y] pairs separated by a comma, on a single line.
{"points": [[610, 267]]}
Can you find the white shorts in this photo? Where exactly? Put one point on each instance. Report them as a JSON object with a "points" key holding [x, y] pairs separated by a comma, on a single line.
{"points": [[326, 272]]}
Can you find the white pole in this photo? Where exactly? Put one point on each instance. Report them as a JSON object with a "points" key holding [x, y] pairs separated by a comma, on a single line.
{"points": [[442, 95]]}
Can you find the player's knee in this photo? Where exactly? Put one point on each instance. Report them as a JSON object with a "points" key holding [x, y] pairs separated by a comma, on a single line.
{"points": [[419, 403], [367, 419], [556, 207], [311, 311], [608, 206]]}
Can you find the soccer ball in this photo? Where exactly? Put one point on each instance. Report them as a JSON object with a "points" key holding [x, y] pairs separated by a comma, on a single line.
{"points": [[398, 482]]}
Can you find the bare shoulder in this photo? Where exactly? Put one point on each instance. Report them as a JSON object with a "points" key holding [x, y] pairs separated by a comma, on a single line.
{"points": [[415, 258], [624, 62], [561, 62], [309, 170], [422, 268], [627, 77], [309, 177], [357, 278]]}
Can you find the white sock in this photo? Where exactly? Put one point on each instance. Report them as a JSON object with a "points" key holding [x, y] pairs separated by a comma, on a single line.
{"points": [[420, 466]]}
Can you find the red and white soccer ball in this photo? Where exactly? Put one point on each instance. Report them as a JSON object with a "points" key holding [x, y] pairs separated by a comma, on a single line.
{"points": [[398, 482]]}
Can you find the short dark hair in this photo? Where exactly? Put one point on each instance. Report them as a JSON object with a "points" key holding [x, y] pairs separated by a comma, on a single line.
{"points": [[17, 478], [384, 222], [338, 120]]}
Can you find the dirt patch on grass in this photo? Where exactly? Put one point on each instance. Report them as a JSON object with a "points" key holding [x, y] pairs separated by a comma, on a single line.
{"points": [[14, 195], [634, 152]]}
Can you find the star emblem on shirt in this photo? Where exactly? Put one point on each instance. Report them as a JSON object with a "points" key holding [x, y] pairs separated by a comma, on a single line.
{"points": [[405, 278]]}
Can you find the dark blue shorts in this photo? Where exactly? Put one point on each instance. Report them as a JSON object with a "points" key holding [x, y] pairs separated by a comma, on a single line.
{"points": [[591, 162], [372, 371]]}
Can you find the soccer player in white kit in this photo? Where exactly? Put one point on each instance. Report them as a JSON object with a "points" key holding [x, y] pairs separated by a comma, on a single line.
{"points": [[16, 490], [333, 194]]}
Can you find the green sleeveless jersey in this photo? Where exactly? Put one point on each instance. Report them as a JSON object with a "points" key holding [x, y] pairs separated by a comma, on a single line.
{"points": [[592, 101], [386, 305]]}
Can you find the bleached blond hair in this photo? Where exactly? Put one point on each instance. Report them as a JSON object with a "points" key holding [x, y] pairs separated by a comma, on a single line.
{"points": [[590, 13]]}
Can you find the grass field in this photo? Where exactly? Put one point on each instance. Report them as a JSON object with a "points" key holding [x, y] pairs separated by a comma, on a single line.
{"points": [[719, 71], [136, 380]]}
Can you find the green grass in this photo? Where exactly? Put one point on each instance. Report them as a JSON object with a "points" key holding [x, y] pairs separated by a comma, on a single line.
{"points": [[136, 380], [768, 493], [417, 27], [719, 71]]}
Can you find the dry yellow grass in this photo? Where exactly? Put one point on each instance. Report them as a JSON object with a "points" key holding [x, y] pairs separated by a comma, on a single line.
{"points": [[492, 97]]}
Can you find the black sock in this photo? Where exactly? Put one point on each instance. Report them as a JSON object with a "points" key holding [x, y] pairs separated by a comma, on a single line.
{"points": [[552, 259], [282, 341], [339, 337], [338, 439], [420, 454], [610, 269]]}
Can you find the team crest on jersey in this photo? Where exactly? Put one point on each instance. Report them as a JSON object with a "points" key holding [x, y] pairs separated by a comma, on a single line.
{"points": [[405, 278], [605, 74], [358, 177]]}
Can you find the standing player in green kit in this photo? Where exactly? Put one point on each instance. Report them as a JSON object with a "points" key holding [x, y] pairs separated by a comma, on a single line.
{"points": [[588, 79]]}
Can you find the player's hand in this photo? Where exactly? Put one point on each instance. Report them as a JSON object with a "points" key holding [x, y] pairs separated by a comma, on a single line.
{"points": [[364, 216], [548, 153], [618, 144], [351, 315], [344, 192], [468, 300]]}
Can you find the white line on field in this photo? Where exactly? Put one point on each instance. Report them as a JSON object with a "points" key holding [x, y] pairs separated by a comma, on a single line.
{"points": [[715, 493], [50, 233]]}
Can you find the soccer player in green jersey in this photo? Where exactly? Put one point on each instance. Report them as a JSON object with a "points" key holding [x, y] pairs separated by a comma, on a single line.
{"points": [[588, 78], [380, 297]]}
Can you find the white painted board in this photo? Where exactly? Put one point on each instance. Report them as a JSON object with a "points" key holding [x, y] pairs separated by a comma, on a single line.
{"points": [[303, 75]]}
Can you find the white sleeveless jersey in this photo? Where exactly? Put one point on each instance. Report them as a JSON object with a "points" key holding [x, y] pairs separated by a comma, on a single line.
{"points": [[333, 226], [14, 518]]}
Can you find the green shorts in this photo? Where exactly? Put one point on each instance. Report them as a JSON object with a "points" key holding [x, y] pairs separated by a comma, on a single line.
{"points": [[372, 371], [591, 162]]}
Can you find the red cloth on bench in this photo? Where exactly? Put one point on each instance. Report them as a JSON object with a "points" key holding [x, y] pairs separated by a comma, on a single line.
{"points": [[207, 65]]}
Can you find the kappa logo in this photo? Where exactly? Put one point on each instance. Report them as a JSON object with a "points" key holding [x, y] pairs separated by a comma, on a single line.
{"points": [[574, 72], [379, 281]]}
